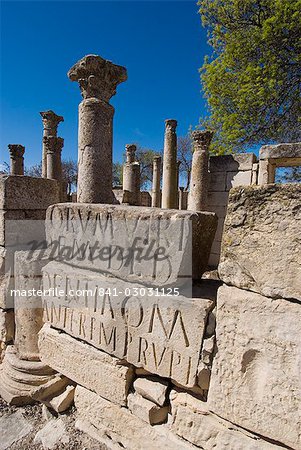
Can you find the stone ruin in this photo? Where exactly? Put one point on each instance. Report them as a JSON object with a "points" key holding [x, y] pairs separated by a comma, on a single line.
{"points": [[122, 321]]}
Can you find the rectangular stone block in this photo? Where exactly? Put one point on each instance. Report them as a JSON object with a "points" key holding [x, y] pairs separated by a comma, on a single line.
{"points": [[217, 199], [117, 427], [217, 181], [161, 333], [232, 163], [238, 179], [191, 420], [87, 366], [26, 193], [261, 240], [147, 410], [281, 151], [147, 245], [255, 381]]}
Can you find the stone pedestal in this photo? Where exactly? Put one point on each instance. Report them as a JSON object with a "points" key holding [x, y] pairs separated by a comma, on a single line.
{"points": [[199, 184], [169, 183], [50, 125], [19, 377], [98, 80], [53, 146], [16, 159], [156, 191], [22, 370], [131, 176]]}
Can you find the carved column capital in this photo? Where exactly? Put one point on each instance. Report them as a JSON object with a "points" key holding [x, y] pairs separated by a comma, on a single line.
{"points": [[51, 120], [97, 77], [16, 151], [171, 124], [201, 139], [130, 150], [53, 144]]}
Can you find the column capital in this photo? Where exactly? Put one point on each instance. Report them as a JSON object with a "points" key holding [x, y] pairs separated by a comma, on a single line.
{"points": [[50, 119], [16, 150], [97, 77], [130, 150], [202, 139], [171, 124], [53, 144], [157, 159]]}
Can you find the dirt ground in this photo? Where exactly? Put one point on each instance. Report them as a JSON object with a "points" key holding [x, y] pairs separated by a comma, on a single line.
{"points": [[33, 415]]}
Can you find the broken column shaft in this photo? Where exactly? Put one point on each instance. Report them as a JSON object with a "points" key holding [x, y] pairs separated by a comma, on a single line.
{"points": [[169, 183]]}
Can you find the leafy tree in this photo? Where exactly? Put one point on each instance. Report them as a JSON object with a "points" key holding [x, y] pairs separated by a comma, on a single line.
{"points": [[69, 173], [252, 81], [185, 157]]}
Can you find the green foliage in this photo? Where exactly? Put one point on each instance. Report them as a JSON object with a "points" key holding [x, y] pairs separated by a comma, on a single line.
{"points": [[253, 80]]}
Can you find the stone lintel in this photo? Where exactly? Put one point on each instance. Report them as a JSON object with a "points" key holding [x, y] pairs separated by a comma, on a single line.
{"points": [[281, 151]]}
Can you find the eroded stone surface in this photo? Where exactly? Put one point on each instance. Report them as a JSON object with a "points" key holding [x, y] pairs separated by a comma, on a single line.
{"points": [[152, 389], [191, 420], [161, 334], [53, 433], [255, 380], [105, 420], [147, 410], [13, 428], [261, 241], [85, 365], [146, 245]]}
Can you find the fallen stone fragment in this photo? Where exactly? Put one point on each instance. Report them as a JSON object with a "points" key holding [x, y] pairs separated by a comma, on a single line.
{"points": [[152, 389], [204, 374], [52, 388], [63, 401], [52, 434], [13, 427], [147, 410]]}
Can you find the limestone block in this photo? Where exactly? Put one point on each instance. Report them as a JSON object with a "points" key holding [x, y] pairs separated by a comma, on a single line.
{"points": [[217, 181], [120, 426], [30, 226], [13, 428], [255, 380], [52, 388], [52, 434], [217, 199], [152, 389], [232, 163], [238, 179], [63, 401], [147, 410], [261, 240], [281, 152], [26, 193], [162, 334], [85, 365], [132, 243], [191, 420]]}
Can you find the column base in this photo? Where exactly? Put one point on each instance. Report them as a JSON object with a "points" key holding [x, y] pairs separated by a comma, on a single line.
{"points": [[19, 377]]}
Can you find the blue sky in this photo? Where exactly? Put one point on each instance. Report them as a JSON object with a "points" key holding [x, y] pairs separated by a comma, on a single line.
{"points": [[162, 44]]}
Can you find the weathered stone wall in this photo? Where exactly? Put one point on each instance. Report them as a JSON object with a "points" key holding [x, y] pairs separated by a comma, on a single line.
{"points": [[23, 200], [227, 172]]}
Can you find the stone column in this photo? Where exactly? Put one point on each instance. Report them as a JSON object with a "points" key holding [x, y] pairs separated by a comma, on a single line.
{"points": [[156, 191], [182, 198], [53, 147], [16, 159], [50, 124], [98, 80], [131, 176], [169, 183], [178, 178], [199, 181], [22, 371]]}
